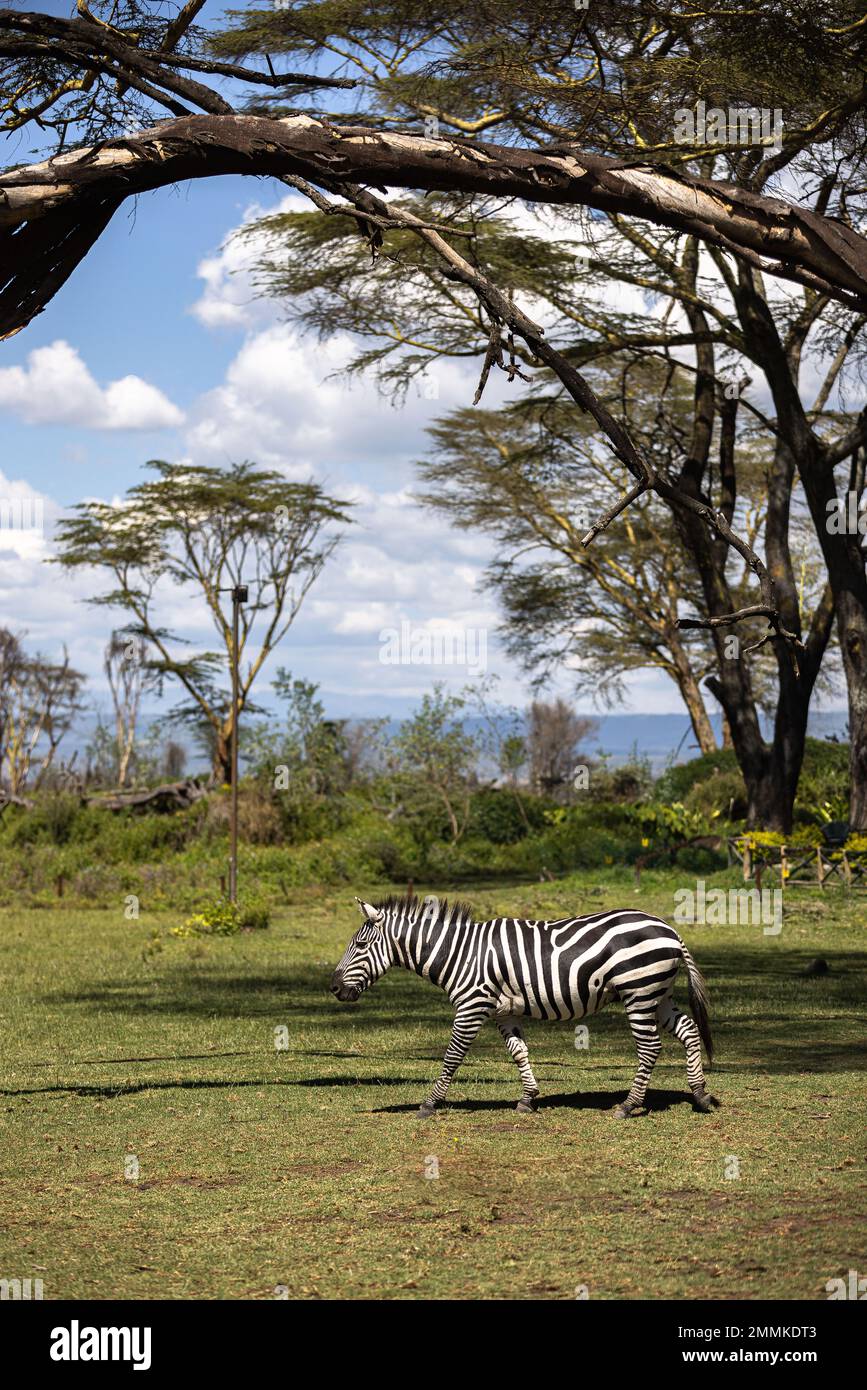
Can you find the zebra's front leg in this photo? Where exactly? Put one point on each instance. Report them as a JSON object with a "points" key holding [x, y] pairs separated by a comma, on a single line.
{"points": [[464, 1029], [517, 1049]]}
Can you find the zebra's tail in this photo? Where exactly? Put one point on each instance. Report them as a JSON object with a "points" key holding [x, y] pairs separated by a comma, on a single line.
{"points": [[698, 1001]]}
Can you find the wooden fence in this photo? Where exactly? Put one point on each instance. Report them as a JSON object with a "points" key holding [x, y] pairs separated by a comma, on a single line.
{"points": [[793, 865]]}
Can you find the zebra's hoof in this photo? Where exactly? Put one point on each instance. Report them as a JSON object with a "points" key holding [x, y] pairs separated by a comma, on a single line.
{"points": [[526, 1107], [706, 1103], [424, 1112], [622, 1112]]}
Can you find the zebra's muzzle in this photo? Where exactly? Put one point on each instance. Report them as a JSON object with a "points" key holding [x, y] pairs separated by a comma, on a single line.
{"points": [[347, 994]]}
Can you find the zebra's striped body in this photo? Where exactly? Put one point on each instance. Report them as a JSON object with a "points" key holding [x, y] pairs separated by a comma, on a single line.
{"points": [[508, 968]]}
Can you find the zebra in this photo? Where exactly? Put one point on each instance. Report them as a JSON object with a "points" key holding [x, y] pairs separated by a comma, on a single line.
{"points": [[508, 968]]}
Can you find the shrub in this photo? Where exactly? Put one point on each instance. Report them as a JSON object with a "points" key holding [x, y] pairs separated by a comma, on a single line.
{"points": [[630, 781], [496, 816], [52, 821], [723, 794], [224, 918], [677, 781]]}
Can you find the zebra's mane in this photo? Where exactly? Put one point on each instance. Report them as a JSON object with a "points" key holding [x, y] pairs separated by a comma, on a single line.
{"points": [[410, 907]]}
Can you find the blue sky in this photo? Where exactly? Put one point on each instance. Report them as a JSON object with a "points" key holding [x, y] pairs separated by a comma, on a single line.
{"points": [[157, 348]]}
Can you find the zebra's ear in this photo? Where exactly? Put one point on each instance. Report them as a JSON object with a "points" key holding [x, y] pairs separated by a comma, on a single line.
{"points": [[369, 912]]}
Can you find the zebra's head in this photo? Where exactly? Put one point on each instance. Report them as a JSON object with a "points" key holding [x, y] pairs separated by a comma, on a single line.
{"points": [[365, 958]]}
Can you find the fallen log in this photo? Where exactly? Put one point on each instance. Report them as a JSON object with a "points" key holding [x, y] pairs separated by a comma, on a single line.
{"points": [[171, 796]]}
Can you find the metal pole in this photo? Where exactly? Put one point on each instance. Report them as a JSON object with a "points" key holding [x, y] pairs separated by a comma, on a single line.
{"points": [[239, 596]]}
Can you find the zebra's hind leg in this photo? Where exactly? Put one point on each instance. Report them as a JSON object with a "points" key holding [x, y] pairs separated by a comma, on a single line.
{"points": [[642, 1020], [517, 1049], [682, 1027]]}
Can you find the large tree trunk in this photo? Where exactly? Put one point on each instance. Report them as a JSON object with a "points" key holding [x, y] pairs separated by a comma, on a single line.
{"points": [[770, 771], [852, 624], [842, 552], [845, 562]]}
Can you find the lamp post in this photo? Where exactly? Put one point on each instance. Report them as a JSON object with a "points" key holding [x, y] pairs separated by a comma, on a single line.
{"points": [[239, 596]]}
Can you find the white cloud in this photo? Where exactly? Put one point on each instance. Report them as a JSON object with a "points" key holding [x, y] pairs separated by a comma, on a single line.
{"points": [[284, 404], [34, 598], [56, 388], [229, 298]]}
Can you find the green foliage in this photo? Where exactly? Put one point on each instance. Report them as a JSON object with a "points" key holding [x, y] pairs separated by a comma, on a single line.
{"points": [[386, 827], [433, 759], [224, 918], [629, 781], [678, 780], [666, 824], [52, 821], [302, 766], [712, 785], [823, 789], [721, 796], [498, 816]]}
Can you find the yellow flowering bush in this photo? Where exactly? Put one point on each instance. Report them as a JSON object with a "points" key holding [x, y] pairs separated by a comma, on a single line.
{"points": [[224, 918]]}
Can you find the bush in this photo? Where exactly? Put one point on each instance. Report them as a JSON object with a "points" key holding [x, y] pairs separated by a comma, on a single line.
{"points": [[677, 781], [224, 918], [723, 794], [713, 784], [496, 816], [52, 821], [631, 781]]}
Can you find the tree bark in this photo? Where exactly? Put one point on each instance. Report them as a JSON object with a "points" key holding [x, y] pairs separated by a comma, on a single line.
{"points": [[222, 762], [841, 552], [770, 771], [690, 693], [51, 213]]}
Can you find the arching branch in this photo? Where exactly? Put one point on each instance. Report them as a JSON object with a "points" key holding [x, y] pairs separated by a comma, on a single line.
{"points": [[791, 242]]}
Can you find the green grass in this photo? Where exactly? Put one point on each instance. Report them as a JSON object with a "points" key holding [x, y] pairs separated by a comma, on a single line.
{"points": [[305, 1168]]}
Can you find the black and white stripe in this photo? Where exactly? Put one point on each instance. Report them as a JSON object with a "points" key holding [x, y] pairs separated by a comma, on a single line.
{"points": [[510, 968]]}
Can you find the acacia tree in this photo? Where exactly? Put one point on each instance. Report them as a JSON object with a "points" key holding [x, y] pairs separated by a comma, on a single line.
{"points": [[530, 472], [409, 329], [544, 75], [599, 89], [527, 477], [207, 530]]}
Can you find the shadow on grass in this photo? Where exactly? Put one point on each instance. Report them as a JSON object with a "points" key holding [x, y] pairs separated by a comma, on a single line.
{"points": [[134, 1088], [575, 1100]]}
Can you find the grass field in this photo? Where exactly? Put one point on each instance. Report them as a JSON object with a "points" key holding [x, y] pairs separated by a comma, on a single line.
{"points": [[304, 1169]]}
